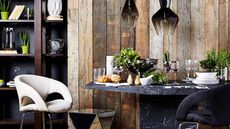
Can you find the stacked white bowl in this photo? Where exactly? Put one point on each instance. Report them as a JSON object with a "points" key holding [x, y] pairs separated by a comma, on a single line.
{"points": [[206, 78]]}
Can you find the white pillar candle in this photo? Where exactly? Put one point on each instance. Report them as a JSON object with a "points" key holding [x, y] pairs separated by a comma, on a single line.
{"points": [[109, 65]]}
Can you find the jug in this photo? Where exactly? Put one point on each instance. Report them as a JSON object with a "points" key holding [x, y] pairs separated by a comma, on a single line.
{"points": [[55, 46]]}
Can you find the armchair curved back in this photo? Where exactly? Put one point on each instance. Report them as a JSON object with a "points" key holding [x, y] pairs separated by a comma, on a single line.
{"points": [[33, 90]]}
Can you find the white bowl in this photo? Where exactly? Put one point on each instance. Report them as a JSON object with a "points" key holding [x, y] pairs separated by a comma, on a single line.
{"points": [[145, 81], [204, 75]]}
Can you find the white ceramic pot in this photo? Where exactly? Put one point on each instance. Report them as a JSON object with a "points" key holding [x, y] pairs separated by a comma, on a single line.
{"points": [[54, 7], [146, 81], [206, 75]]}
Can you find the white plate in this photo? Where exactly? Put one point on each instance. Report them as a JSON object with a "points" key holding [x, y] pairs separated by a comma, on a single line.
{"points": [[112, 84]]}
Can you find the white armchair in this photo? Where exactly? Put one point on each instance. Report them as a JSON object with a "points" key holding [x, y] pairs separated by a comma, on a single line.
{"points": [[32, 93]]}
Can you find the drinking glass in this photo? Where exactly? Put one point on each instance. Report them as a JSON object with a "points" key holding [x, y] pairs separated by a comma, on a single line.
{"points": [[188, 67], [195, 67], [97, 72], [174, 67]]}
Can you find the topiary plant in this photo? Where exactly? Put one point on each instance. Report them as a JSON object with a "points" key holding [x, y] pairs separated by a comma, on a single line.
{"points": [[209, 62]]}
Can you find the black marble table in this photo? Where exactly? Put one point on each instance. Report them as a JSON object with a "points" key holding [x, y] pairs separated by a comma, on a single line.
{"points": [[158, 103], [168, 89]]}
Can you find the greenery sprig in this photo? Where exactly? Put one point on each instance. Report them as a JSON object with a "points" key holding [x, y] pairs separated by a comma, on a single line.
{"points": [[25, 38], [126, 56], [158, 77], [4, 5]]}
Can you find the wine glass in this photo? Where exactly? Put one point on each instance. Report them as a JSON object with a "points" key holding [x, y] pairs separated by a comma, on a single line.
{"points": [[174, 67], [118, 69], [188, 67]]}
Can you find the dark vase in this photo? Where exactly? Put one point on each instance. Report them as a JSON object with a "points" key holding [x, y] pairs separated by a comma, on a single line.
{"points": [[165, 18], [130, 13], [142, 66]]}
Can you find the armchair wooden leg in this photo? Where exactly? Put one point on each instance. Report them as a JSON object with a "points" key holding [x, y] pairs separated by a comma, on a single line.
{"points": [[23, 115]]}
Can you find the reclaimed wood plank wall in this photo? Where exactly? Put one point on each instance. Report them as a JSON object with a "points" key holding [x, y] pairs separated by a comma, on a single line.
{"points": [[95, 29]]}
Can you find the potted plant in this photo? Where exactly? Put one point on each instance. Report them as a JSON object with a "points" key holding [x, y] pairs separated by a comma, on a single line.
{"points": [[4, 7], [209, 63], [215, 62], [130, 59], [222, 62], [25, 40]]}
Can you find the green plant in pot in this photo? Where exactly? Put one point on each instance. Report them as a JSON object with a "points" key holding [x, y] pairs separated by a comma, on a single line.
{"points": [[209, 63], [130, 59], [25, 40], [4, 7], [127, 58], [216, 61], [222, 62]]}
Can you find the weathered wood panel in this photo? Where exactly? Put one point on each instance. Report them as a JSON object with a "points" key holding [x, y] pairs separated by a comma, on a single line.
{"points": [[113, 45], [85, 52], [73, 55], [223, 24], [142, 28], [211, 24], [197, 29], [203, 25], [99, 49]]}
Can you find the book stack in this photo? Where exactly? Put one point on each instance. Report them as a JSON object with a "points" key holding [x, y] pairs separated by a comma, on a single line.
{"points": [[16, 13], [8, 52]]}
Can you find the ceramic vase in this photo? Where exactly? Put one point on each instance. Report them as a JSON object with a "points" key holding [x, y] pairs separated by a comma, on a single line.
{"points": [[54, 8]]}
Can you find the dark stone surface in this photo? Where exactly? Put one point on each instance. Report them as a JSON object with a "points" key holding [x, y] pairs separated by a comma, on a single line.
{"points": [[169, 89], [158, 112], [158, 103]]}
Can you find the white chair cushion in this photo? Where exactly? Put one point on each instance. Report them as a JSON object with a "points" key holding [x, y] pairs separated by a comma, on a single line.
{"points": [[58, 105], [29, 107]]}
